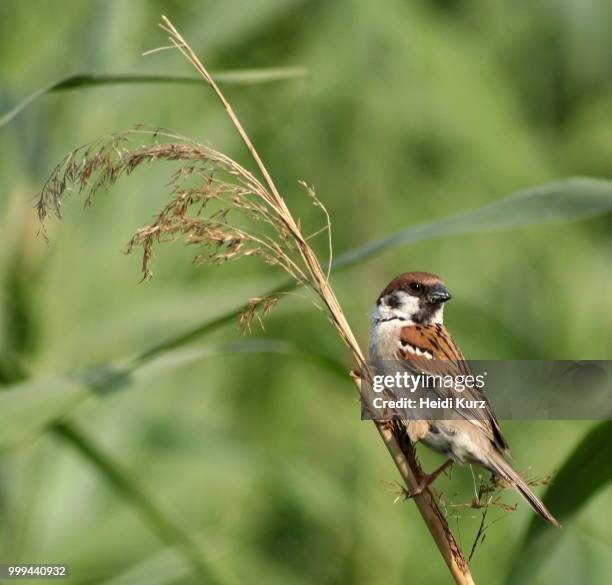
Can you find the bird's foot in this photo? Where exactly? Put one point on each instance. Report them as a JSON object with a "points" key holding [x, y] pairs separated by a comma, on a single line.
{"points": [[424, 480]]}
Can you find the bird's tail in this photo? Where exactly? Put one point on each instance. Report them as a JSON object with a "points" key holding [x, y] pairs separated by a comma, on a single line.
{"points": [[499, 465]]}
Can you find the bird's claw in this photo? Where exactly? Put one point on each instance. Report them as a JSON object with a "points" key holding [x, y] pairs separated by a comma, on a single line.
{"points": [[408, 494], [417, 490]]}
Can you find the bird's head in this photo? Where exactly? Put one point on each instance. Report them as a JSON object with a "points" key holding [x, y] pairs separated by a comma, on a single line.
{"points": [[417, 297]]}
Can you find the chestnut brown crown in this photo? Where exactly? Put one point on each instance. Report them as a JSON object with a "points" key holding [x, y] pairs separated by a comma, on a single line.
{"points": [[424, 285]]}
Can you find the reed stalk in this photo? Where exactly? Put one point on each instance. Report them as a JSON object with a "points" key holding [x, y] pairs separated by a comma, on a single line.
{"points": [[401, 452]]}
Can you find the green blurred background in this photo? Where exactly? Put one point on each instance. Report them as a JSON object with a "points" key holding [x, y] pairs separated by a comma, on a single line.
{"points": [[411, 111]]}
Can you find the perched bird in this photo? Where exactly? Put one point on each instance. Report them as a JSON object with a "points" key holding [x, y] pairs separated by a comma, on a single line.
{"points": [[407, 327]]}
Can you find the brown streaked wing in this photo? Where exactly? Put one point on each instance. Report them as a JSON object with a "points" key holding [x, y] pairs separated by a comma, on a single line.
{"points": [[447, 358]]}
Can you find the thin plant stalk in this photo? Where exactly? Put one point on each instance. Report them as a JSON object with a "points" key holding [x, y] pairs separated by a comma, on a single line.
{"points": [[402, 454]]}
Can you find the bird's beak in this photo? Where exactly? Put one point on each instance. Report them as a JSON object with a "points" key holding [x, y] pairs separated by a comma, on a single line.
{"points": [[439, 294]]}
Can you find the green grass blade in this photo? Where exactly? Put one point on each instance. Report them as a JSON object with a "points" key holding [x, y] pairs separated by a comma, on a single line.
{"points": [[87, 80], [30, 407], [570, 200], [125, 485], [585, 472], [122, 481]]}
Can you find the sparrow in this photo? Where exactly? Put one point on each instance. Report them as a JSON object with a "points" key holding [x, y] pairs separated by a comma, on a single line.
{"points": [[407, 328]]}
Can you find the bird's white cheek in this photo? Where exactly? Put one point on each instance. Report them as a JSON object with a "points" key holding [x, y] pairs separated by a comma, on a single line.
{"points": [[409, 305]]}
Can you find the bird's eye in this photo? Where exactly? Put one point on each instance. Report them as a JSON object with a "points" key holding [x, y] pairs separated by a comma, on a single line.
{"points": [[416, 286]]}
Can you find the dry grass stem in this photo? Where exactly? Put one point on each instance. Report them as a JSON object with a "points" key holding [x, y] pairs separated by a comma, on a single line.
{"points": [[221, 208]]}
